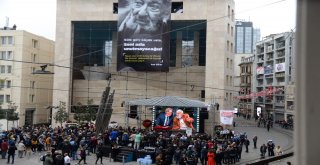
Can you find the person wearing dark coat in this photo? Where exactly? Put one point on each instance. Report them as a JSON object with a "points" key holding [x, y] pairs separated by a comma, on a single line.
{"points": [[99, 153], [83, 156], [58, 159], [204, 155], [263, 150], [247, 143], [11, 152]]}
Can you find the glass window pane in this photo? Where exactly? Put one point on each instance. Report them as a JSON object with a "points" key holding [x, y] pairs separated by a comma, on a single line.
{"points": [[9, 68]]}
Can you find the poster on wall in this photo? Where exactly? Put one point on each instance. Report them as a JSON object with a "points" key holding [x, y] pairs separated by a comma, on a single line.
{"points": [[260, 70], [226, 117], [280, 67], [268, 69], [143, 35]]}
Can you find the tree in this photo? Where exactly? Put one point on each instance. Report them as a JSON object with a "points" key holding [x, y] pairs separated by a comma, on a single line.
{"points": [[91, 112], [61, 115], [79, 112], [85, 112]]}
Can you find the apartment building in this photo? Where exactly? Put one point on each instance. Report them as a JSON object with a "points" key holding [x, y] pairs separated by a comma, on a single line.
{"points": [[245, 87], [274, 72], [30, 94]]}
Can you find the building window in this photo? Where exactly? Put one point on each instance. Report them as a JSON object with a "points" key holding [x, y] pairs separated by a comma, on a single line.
{"points": [[227, 80], [231, 80], [3, 40], [177, 7], [232, 15], [32, 84], [8, 98], [227, 96], [33, 69], [115, 8], [1, 84], [231, 30], [227, 62], [229, 11], [10, 40], [228, 28], [7, 40], [231, 64], [228, 46], [3, 55], [187, 52], [1, 99], [31, 98], [231, 46], [33, 57], [8, 83], [35, 43], [9, 67], [248, 40], [9, 55], [2, 69]]}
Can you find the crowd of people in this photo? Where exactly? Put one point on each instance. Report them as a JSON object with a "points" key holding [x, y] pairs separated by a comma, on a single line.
{"points": [[62, 145]]}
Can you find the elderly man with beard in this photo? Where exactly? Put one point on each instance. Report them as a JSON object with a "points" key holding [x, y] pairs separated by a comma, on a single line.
{"points": [[145, 17], [182, 121]]}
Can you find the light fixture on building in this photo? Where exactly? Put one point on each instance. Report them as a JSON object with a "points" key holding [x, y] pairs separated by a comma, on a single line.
{"points": [[43, 70]]}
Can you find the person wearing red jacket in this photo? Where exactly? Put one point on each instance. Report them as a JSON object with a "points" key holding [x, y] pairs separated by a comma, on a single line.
{"points": [[182, 121], [4, 148]]}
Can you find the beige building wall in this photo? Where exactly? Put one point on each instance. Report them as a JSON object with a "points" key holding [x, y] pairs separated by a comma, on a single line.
{"points": [[179, 81], [28, 91]]}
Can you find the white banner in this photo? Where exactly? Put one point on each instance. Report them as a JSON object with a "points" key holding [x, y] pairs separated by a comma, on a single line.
{"points": [[258, 111], [281, 67], [226, 117]]}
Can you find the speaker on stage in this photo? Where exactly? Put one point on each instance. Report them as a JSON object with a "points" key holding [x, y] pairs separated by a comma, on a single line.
{"points": [[133, 111]]}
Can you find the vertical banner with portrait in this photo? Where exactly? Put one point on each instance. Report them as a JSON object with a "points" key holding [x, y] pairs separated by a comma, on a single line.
{"points": [[143, 35]]}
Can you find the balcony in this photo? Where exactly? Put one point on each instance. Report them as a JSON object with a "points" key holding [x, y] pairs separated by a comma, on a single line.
{"points": [[260, 84], [281, 83], [259, 100], [279, 75], [279, 104], [259, 76], [245, 84], [281, 54], [269, 101]]}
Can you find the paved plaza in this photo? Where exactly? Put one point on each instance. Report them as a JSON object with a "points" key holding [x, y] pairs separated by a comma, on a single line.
{"points": [[279, 136]]}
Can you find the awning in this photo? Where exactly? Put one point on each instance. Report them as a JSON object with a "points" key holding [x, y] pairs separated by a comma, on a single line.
{"points": [[169, 101]]}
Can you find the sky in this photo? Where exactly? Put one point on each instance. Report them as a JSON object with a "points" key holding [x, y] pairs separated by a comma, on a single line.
{"points": [[39, 16]]}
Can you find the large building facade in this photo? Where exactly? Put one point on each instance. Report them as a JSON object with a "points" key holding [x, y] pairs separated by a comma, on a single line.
{"points": [[200, 64], [274, 76], [29, 94]]}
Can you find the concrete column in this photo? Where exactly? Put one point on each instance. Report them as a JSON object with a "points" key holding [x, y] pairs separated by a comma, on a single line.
{"points": [[179, 50], [195, 56], [308, 79]]}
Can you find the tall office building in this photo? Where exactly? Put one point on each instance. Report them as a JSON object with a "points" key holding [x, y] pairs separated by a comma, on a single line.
{"points": [[246, 37], [29, 94], [200, 61]]}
